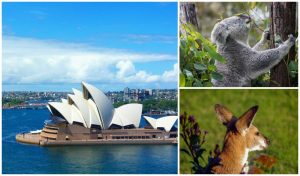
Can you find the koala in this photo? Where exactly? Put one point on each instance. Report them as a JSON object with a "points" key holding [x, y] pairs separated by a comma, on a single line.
{"points": [[244, 63]]}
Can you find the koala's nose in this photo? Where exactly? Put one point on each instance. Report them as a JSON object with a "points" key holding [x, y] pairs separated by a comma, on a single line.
{"points": [[246, 17]]}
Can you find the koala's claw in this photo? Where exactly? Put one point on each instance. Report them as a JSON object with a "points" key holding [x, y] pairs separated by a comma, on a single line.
{"points": [[266, 31], [266, 34], [291, 38]]}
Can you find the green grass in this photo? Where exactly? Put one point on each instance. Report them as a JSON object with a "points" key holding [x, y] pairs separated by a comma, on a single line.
{"points": [[277, 118]]}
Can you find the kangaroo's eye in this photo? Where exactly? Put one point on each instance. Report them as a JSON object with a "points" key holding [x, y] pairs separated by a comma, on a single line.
{"points": [[257, 133]]}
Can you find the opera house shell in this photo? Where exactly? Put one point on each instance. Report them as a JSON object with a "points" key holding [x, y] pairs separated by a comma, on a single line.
{"points": [[91, 108], [165, 123]]}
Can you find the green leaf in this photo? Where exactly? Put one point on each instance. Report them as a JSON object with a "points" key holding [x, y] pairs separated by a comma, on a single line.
{"points": [[216, 76], [293, 69], [214, 54], [200, 67], [198, 83], [212, 68], [205, 77], [201, 54], [182, 80], [212, 61], [189, 82], [208, 84], [293, 66], [211, 50], [190, 39], [188, 73]]}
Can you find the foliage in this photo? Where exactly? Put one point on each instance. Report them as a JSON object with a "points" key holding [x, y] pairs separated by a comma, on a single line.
{"points": [[197, 58], [9, 102], [292, 67], [194, 139], [262, 164], [277, 119], [293, 72]]}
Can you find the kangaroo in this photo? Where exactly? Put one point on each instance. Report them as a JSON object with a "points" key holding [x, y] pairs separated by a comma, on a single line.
{"points": [[241, 138]]}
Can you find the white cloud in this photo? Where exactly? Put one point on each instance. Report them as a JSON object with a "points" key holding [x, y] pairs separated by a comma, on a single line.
{"points": [[28, 60], [169, 76], [128, 73], [125, 68]]}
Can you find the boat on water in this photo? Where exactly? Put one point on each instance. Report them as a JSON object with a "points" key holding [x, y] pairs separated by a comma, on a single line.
{"points": [[89, 118]]}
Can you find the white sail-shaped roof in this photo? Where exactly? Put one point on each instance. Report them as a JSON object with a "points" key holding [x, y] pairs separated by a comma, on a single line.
{"points": [[64, 100], [151, 121], [82, 107], [63, 109], [76, 115], [69, 112], [128, 114], [104, 105], [87, 108], [166, 122], [94, 114], [48, 107]]}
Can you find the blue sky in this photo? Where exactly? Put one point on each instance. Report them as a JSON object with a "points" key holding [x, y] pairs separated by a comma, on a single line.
{"points": [[54, 46]]}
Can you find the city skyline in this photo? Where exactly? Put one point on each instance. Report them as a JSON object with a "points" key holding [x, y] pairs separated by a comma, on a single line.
{"points": [[63, 44]]}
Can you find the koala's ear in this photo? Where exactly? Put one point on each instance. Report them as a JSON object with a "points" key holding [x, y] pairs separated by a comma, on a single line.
{"points": [[219, 34]]}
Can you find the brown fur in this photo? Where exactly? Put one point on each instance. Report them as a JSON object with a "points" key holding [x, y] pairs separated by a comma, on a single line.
{"points": [[241, 135]]}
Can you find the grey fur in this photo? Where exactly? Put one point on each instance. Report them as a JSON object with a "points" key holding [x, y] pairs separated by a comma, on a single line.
{"points": [[243, 63]]}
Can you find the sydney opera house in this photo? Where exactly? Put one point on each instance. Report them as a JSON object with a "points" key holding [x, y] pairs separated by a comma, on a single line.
{"points": [[88, 117]]}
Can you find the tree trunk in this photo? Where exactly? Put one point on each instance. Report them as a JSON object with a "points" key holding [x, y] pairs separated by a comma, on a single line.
{"points": [[283, 23], [188, 14]]}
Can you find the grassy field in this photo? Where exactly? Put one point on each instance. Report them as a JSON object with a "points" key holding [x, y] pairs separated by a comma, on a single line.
{"points": [[277, 118]]}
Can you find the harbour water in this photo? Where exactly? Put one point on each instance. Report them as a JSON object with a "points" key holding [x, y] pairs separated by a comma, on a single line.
{"points": [[111, 159]]}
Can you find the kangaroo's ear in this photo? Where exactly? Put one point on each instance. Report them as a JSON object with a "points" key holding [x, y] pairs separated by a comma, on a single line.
{"points": [[244, 122], [219, 34], [225, 116]]}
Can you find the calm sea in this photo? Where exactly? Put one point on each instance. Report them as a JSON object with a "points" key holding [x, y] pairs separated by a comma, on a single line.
{"points": [[112, 159]]}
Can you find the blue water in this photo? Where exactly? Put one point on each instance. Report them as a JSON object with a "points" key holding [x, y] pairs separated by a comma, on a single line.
{"points": [[113, 159]]}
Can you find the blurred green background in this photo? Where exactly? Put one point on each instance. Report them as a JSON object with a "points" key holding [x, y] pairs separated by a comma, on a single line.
{"points": [[277, 118], [209, 13]]}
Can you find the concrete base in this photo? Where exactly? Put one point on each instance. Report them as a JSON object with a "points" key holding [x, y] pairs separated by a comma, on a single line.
{"points": [[28, 138], [35, 139]]}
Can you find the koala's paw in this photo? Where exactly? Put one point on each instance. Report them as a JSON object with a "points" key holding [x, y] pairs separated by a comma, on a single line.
{"points": [[291, 38], [266, 35]]}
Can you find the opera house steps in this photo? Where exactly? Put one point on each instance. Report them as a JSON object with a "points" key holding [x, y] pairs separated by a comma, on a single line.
{"points": [[46, 130], [51, 127], [89, 118]]}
